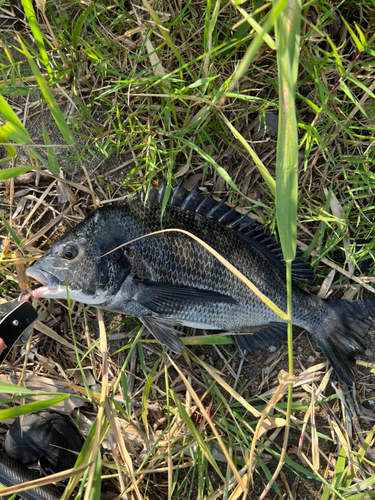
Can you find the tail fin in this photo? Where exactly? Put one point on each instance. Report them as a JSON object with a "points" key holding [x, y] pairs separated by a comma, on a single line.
{"points": [[343, 334]]}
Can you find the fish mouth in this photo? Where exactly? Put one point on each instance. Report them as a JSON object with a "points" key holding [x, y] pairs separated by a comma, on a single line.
{"points": [[48, 283], [52, 288]]}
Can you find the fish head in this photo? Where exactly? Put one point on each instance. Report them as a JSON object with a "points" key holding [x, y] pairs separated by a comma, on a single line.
{"points": [[85, 263]]}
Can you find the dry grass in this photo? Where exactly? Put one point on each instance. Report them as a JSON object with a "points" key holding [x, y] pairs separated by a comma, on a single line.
{"points": [[144, 88]]}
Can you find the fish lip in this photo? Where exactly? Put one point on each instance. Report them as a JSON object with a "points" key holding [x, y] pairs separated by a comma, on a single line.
{"points": [[53, 288], [44, 277], [49, 283]]}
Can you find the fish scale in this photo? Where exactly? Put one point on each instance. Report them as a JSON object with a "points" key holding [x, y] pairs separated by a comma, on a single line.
{"points": [[203, 269], [170, 279]]}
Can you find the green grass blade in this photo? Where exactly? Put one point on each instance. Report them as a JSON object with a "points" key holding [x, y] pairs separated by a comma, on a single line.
{"points": [[287, 39], [126, 393], [207, 340], [257, 42], [336, 55], [14, 133], [346, 90], [79, 24], [214, 17], [360, 44], [262, 169], [30, 407], [5, 160], [359, 84], [361, 36], [258, 28], [55, 110], [14, 172], [365, 445], [31, 18], [287, 31], [194, 431], [134, 345], [206, 35], [83, 375], [85, 449], [11, 232], [4, 141], [146, 392], [340, 472], [268, 475], [164, 32], [208, 31], [97, 482], [363, 486], [6, 388], [362, 496], [13, 127], [52, 158], [220, 170]]}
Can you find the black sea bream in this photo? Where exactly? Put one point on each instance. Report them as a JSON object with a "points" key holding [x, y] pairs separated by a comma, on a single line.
{"points": [[170, 279]]}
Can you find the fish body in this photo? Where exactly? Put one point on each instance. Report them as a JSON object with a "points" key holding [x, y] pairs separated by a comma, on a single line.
{"points": [[170, 279]]}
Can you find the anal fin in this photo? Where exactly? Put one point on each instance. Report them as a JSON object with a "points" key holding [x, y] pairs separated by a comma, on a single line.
{"points": [[260, 336], [162, 330]]}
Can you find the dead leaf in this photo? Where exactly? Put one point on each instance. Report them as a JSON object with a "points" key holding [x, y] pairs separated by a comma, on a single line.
{"points": [[40, 5]]}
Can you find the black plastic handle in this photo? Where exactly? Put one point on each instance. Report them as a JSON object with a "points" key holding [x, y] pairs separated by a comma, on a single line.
{"points": [[14, 323]]}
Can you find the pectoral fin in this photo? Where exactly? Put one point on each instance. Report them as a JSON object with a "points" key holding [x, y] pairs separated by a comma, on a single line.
{"points": [[163, 298], [162, 330]]}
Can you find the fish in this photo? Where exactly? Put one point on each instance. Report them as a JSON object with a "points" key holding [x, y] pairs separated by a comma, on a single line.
{"points": [[170, 280]]}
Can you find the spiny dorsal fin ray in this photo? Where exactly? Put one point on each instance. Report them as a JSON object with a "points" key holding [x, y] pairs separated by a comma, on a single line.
{"points": [[190, 197], [249, 228]]}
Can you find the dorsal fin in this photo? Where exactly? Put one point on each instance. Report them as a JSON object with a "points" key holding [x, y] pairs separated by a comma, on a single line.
{"points": [[249, 228]]}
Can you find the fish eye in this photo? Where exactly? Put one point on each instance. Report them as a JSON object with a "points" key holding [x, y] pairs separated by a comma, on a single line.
{"points": [[69, 253]]}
